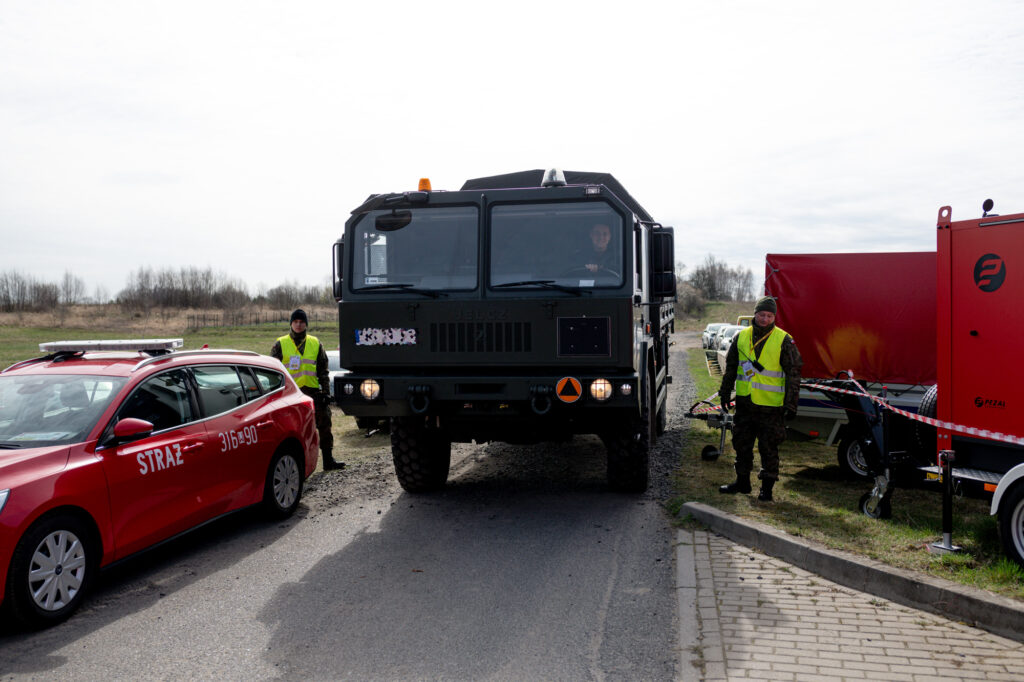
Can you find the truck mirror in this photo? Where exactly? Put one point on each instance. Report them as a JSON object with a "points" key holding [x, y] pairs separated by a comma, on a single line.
{"points": [[339, 268], [663, 277], [396, 220]]}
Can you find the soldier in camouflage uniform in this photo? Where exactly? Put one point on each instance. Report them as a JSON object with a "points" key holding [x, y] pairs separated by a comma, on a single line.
{"points": [[763, 364], [305, 359]]}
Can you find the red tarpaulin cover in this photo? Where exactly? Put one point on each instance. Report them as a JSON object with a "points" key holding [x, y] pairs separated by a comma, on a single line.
{"points": [[873, 313]]}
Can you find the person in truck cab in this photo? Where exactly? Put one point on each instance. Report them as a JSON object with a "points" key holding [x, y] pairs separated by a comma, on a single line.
{"points": [[305, 359], [763, 364], [599, 256]]}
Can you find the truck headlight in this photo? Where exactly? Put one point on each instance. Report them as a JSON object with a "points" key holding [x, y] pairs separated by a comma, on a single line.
{"points": [[370, 389], [626, 389], [601, 389]]}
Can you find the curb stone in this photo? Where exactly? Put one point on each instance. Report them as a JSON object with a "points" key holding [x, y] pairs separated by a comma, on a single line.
{"points": [[969, 605]]}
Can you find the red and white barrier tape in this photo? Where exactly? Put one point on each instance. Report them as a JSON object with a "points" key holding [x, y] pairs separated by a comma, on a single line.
{"points": [[949, 426]]}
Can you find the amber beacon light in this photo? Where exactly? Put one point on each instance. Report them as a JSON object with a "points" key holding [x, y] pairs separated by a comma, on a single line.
{"points": [[424, 184]]}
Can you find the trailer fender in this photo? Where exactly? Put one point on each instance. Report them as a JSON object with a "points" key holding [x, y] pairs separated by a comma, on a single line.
{"points": [[1005, 483]]}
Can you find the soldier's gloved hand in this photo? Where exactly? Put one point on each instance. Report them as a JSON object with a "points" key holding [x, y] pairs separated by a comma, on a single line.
{"points": [[790, 414]]}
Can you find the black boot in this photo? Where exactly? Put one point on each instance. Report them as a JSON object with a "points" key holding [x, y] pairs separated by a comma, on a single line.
{"points": [[330, 464], [766, 490], [741, 485]]}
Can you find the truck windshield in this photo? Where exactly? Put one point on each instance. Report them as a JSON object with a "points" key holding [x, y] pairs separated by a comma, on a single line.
{"points": [[423, 249], [566, 244]]}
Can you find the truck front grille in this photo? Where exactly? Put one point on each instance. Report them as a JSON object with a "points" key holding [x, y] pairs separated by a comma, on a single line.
{"points": [[480, 337]]}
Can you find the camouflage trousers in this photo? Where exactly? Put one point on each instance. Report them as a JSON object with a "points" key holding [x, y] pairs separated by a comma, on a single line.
{"points": [[768, 428], [323, 420]]}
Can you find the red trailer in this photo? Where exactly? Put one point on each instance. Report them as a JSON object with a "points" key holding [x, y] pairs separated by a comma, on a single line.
{"points": [[980, 285], [869, 313]]}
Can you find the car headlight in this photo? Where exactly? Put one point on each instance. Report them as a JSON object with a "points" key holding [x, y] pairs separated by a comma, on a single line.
{"points": [[626, 389], [601, 389], [370, 389], [3, 498]]}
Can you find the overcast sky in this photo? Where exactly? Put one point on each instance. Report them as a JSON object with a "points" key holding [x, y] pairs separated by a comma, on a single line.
{"points": [[239, 135]]}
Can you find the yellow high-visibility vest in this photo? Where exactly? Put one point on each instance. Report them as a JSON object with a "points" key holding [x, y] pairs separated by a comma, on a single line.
{"points": [[302, 366], [766, 386]]}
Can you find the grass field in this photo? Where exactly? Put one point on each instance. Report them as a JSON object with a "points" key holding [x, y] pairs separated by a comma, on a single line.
{"points": [[814, 500]]}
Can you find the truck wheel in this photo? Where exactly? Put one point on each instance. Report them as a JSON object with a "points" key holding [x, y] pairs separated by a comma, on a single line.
{"points": [[852, 461], [51, 570], [1011, 523], [629, 454], [422, 455]]}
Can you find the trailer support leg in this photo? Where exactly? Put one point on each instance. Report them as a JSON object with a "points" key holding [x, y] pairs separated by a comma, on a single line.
{"points": [[946, 546]]}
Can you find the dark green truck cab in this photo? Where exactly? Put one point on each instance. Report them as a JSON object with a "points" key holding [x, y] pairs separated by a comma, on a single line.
{"points": [[517, 309]]}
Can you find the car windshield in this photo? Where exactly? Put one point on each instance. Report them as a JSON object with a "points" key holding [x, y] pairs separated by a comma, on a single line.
{"points": [[38, 410], [422, 250], [566, 244]]}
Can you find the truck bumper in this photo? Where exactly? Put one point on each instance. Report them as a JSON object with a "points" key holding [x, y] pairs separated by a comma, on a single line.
{"points": [[539, 396]]}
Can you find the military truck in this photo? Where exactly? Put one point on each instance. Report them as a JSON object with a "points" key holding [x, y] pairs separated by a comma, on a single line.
{"points": [[522, 308]]}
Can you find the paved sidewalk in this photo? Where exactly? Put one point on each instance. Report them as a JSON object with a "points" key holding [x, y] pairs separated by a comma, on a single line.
{"points": [[745, 615]]}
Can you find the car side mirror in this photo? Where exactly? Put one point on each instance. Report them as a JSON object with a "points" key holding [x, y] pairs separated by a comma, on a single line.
{"points": [[130, 429]]}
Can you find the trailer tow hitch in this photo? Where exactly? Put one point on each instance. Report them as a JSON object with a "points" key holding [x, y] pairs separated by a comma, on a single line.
{"points": [[716, 419]]}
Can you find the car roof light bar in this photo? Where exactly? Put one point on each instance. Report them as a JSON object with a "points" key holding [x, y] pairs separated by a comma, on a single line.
{"points": [[149, 345]]}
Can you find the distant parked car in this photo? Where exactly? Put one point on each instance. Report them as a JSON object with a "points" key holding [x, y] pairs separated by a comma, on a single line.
{"points": [[334, 367], [709, 333], [726, 334]]}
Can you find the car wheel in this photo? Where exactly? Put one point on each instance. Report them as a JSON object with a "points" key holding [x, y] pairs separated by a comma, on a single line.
{"points": [[852, 461], [51, 570], [283, 488], [1011, 523]]}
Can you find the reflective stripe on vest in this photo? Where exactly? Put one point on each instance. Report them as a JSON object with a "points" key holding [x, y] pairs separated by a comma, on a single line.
{"points": [[302, 366], [766, 386]]}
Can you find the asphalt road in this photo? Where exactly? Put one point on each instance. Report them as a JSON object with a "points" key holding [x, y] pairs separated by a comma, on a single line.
{"points": [[524, 567]]}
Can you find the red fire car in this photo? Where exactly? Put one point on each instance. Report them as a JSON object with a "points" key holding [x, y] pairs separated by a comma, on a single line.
{"points": [[109, 447]]}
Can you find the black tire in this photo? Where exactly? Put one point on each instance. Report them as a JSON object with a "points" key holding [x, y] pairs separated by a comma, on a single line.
{"points": [[421, 455], [1011, 522], [629, 453], [925, 434], [710, 453], [283, 488], [882, 511], [852, 460], [51, 570]]}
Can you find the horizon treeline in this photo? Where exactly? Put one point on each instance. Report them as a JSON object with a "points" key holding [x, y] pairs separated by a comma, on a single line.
{"points": [[147, 288]]}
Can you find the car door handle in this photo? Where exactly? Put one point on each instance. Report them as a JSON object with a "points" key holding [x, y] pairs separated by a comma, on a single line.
{"points": [[192, 446], [263, 425]]}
